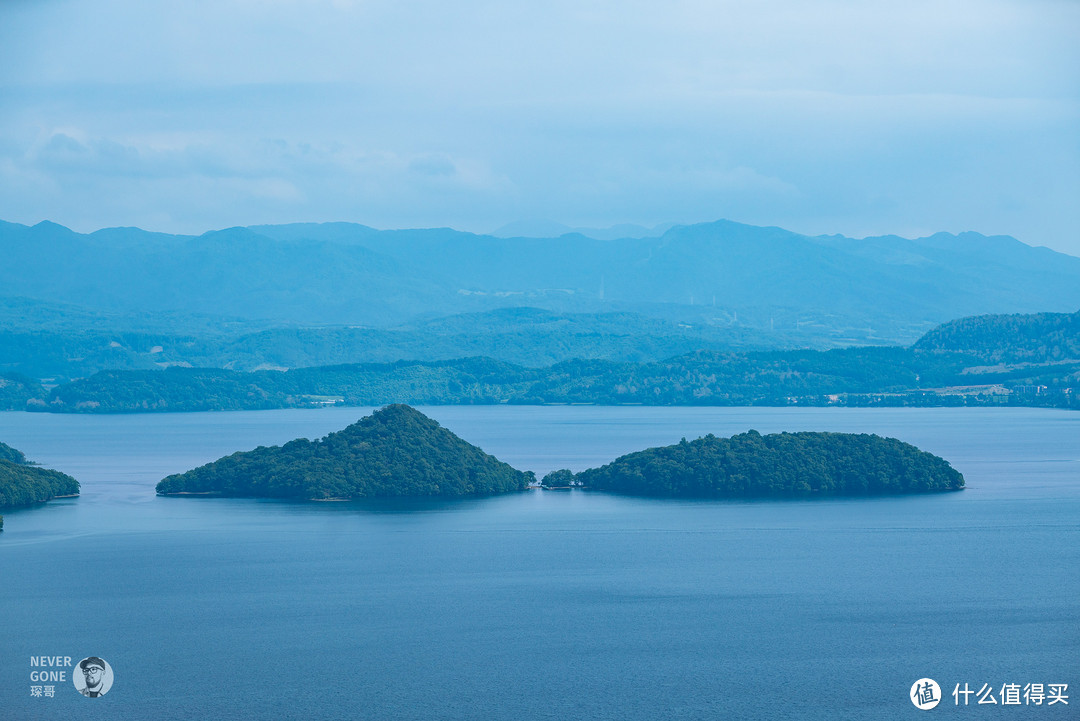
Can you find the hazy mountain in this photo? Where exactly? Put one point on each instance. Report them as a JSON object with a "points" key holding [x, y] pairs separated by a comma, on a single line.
{"points": [[551, 229], [720, 274], [526, 336], [1027, 360]]}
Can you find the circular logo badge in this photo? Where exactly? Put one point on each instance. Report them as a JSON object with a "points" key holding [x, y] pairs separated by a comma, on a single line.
{"points": [[93, 677], [925, 693]]}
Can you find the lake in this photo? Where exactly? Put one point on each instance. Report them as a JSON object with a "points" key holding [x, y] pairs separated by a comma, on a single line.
{"points": [[544, 605]]}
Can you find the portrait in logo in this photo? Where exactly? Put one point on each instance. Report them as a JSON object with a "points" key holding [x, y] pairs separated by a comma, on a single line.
{"points": [[92, 677]]}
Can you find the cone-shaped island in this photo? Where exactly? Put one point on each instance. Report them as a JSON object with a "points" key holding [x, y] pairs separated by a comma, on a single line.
{"points": [[396, 451]]}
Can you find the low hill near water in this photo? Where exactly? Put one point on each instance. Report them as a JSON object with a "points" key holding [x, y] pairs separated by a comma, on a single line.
{"points": [[396, 451], [777, 465], [986, 360], [1009, 339], [22, 484], [525, 336], [12, 455]]}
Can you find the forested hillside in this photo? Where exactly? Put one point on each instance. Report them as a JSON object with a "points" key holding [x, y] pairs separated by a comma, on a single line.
{"points": [[720, 274], [777, 465], [22, 483], [396, 451], [1030, 364], [1009, 339]]}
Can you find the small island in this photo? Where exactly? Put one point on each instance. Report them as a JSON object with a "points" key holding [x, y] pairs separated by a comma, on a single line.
{"points": [[777, 465], [23, 484], [396, 451]]}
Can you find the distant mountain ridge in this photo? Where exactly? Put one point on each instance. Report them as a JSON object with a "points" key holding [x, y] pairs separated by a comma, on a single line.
{"points": [[959, 363], [888, 376], [549, 229], [527, 336], [720, 273]]}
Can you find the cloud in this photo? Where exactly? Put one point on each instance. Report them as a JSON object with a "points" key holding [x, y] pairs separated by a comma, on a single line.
{"points": [[829, 114], [215, 181]]}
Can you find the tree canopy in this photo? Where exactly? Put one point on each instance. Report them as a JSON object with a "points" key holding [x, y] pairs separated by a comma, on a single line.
{"points": [[396, 451], [7, 453], [781, 464], [22, 484]]}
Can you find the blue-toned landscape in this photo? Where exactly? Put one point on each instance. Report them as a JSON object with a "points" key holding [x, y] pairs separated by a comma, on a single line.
{"points": [[545, 604], [401, 360]]}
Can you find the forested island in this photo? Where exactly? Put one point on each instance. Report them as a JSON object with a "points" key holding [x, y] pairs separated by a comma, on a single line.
{"points": [[776, 465], [396, 451], [22, 483]]}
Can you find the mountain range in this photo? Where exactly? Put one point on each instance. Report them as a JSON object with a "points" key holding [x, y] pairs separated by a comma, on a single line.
{"points": [[816, 291]]}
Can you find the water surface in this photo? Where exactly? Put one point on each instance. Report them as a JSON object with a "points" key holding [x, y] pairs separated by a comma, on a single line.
{"points": [[543, 604]]}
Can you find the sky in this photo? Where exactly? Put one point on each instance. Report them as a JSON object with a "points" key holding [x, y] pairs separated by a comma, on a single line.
{"points": [[832, 116]]}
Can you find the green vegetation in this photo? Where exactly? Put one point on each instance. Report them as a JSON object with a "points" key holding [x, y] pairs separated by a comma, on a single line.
{"points": [[22, 484], [562, 478], [7, 453], [172, 389], [396, 451], [777, 465], [1009, 339], [1034, 363], [344, 293], [465, 381], [525, 336], [17, 392], [852, 376]]}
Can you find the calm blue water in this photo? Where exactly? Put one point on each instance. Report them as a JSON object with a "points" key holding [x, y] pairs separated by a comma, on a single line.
{"points": [[556, 605]]}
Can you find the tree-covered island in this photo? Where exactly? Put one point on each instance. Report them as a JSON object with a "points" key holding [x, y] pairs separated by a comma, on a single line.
{"points": [[22, 483], [396, 451], [777, 465]]}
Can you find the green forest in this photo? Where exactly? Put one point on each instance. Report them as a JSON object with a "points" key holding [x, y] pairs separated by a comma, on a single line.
{"points": [[22, 484], [1031, 360], [1009, 339], [13, 455], [777, 465], [846, 377], [397, 451]]}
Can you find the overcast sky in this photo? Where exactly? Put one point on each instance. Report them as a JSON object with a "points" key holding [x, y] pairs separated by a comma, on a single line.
{"points": [[851, 117]]}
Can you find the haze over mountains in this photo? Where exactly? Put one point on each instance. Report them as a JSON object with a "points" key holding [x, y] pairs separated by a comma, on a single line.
{"points": [[551, 229], [308, 294], [1021, 360]]}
